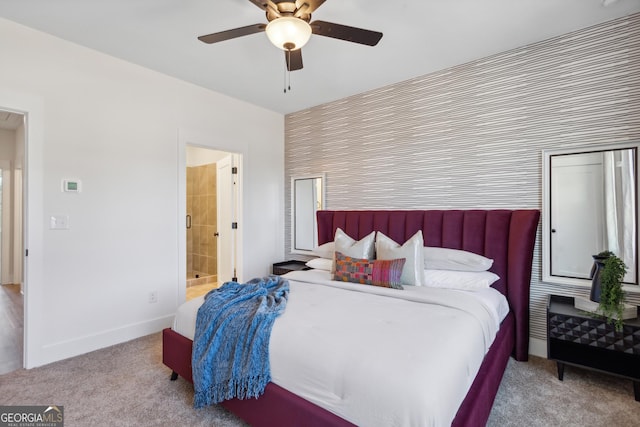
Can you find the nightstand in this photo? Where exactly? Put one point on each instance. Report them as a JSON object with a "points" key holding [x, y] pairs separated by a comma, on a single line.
{"points": [[284, 267], [579, 339]]}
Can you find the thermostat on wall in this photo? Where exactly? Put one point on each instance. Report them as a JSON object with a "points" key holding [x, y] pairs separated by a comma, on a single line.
{"points": [[71, 186]]}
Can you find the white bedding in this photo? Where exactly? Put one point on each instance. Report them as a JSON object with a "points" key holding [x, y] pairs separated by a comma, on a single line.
{"points": [[377, 356]]}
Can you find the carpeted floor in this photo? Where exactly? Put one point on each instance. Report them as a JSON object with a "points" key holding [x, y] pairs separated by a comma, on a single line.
{"points": [[531, 395], [127, 385]]}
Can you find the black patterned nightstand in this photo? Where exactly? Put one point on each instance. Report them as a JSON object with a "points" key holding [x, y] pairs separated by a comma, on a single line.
{"points": [[580, 339], [284, 267]]}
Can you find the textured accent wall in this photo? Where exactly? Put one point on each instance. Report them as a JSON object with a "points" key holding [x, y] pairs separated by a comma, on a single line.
{"points": [[472, 136]]}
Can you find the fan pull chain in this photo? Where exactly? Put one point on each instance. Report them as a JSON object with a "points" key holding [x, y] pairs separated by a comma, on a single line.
{"points": [[287, 72]]}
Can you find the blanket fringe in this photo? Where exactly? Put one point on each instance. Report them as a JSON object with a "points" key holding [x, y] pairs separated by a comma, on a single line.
{"points": [[244, 388]]}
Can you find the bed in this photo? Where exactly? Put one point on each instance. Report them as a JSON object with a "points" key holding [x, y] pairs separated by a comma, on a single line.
{"points": [[506, 236]]}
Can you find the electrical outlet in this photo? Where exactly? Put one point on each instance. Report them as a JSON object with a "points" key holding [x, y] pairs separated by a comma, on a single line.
{"points": [[153, 297]]}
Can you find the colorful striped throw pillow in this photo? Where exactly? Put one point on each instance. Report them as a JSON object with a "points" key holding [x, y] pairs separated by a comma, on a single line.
{"points": [[385, 273]]}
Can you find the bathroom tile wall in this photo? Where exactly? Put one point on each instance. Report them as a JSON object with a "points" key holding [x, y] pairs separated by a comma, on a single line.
{"points": [[201, 206]]}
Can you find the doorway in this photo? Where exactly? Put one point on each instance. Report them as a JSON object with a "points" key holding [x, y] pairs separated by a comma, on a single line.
{"points": [[12, 149], [211, 191]]}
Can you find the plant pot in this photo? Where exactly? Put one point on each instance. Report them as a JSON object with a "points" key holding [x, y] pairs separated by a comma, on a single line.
{"points": [[596, 271]]}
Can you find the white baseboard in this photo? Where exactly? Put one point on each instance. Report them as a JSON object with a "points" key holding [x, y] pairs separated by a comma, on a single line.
{"points": [[53, 352], [538, 347]]}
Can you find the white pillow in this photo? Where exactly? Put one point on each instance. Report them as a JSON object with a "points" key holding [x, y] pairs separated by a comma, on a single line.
{"points": [[320, 264], [325, 250], [413, 270], [362, 249], [466, 280], [454, 259]]}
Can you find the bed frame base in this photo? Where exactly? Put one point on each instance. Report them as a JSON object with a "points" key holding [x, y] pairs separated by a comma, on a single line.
{"points": [[278, 407]]}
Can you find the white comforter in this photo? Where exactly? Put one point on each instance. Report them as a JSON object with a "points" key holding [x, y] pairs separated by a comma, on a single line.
{"points": [[377, 356]]}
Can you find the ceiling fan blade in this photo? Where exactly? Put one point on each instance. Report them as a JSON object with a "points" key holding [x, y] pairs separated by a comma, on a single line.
{"points": [[344, 32], [294, 59], [232, 34], [262, 4]]}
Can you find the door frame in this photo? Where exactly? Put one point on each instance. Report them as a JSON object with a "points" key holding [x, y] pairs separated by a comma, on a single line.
{"points": [[223, 240], [207, 142], [32, 108]]}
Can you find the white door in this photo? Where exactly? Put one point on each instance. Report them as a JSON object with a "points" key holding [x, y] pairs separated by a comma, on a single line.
{"points": [[12, 225], [577, 209], [5, 203], [225, 205], [11, 264]]}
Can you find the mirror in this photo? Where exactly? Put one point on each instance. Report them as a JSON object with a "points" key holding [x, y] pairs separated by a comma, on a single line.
{"points": [[307, 196], [589, 205]]}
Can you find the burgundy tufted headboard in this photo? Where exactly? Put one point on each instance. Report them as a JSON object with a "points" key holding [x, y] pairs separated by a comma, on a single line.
{"points": [[506, 236]]}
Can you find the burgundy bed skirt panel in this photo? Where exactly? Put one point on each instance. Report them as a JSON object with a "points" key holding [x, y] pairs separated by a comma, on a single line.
{"points": [[491, 233], [477, 404], [176, 353], [278, 407]]}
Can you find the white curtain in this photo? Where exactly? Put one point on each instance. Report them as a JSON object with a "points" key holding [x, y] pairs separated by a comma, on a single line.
{"points": [[620, 203]]}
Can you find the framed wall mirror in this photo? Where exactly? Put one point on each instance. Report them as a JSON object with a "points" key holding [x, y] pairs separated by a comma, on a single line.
{"points": [[307, 197], [590, 204]]}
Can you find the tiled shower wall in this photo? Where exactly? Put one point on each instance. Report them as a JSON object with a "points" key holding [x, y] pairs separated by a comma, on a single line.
{"points": [[201, 205], [472, 136]]}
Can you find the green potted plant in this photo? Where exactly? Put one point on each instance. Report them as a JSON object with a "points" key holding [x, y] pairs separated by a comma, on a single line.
{"points": [[610, 274]]}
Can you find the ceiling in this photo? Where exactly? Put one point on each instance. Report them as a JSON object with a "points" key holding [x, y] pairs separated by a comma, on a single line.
{"points": [[420, 37], [10, 121]]}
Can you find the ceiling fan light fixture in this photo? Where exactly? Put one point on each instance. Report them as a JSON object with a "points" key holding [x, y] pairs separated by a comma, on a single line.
{"points": [[288, 32]]}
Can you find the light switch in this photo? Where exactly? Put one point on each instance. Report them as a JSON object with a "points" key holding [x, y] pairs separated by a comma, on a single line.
{"points": [[59, 222]]}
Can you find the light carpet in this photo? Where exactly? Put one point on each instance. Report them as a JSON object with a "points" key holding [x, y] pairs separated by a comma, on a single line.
{"points": [[127, 385]]}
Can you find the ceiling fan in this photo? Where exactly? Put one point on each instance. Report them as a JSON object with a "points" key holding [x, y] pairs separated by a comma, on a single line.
{"points": [[289, 29]]}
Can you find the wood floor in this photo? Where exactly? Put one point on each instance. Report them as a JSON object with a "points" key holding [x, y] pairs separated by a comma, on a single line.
{"points": [[197, 290], [11, 328]]}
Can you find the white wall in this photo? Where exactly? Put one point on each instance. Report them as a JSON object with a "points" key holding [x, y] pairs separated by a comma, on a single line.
{"points": [[197, 156], [115, 126]]}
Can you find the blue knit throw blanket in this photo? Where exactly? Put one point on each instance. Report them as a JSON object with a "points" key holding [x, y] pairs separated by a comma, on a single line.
{"points": [[230, 355]]}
